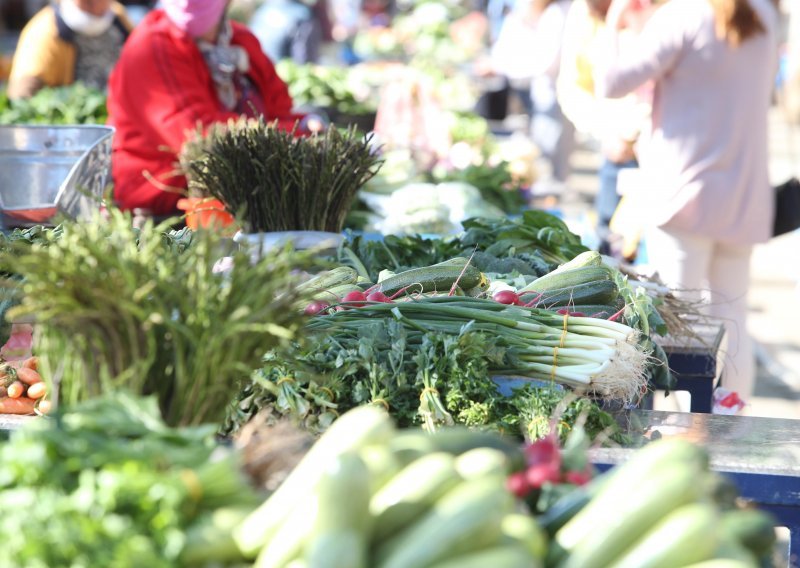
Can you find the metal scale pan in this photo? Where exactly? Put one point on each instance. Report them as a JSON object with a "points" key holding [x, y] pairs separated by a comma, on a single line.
{"points": [[47, 170]]}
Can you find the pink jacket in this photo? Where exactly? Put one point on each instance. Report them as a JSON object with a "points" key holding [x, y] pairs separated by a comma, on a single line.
{"points": [[706, 159]]}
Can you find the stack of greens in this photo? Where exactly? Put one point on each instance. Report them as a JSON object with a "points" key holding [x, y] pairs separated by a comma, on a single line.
{"points": [[120, 308], [73, 104], [107, 483], [277, 181]]}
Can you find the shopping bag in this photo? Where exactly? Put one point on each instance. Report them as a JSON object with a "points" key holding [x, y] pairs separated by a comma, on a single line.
{"points": [[787, 207]]}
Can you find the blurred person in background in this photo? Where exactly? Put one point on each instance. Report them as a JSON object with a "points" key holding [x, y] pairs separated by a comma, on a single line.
{"points": [[291, 29], [705, 160], [186, 64], [615, 124], [66, 42], [527, 54]]}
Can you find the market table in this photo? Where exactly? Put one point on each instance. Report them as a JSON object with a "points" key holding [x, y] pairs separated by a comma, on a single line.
{"points": [[761, 455]]}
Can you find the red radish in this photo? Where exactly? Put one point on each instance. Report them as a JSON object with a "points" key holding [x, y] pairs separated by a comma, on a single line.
{"points": [[538, 475], [316, 307], [355, 298], [518, 484], [507, 297], [566, 312], [378, 296], [578, 477]]}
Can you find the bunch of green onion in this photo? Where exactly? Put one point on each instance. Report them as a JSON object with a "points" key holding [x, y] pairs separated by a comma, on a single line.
{"points": [[594, 356]]}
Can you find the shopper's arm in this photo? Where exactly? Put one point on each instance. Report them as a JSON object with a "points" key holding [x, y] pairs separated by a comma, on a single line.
{"points": [[647, 57]]}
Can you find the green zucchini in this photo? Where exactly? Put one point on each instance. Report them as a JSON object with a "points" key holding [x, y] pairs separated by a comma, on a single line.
{"points": [[480, 462], [686, 536], [437, 278], [466, 513], [329, 279], [753, 528], [568, 278], [597, 292], [504, 556], [357, 428], [596, 536], [337, 549], [412, 492], [587, 258], [524, 530]]}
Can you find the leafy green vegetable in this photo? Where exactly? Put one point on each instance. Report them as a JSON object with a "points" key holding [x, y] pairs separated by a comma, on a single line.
{"points": [[108, 484], [72, 104], [495, 182]]}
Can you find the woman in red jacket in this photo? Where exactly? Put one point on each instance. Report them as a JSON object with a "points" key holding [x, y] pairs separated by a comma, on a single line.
{"points": [[184, 65]]}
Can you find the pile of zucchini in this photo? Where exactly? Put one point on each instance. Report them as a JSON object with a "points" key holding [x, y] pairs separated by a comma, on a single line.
{"points": [[367, 495], [663, 508]]}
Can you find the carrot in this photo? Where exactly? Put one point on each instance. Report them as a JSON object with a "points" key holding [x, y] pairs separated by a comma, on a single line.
{"points": [[31, 363], [16, 389], [17, 405], [28, 376], [44, 406], [37, 390]]}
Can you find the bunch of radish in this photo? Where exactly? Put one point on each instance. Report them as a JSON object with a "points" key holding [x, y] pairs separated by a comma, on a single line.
{"points": [[22, 390]]}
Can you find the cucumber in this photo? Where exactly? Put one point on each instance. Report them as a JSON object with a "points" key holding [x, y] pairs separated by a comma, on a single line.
{"points": [[465, 513], [686, 536], [437, 278], [597, 292], [603, 529], [505, 556], [357, 428], [412, 492], [557, 280], [753, 528]]}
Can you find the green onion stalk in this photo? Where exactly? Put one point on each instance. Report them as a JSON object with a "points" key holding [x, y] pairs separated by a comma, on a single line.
{"points": [[596, 357]]}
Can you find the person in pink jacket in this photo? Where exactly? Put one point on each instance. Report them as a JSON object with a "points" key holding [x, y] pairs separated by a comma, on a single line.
{"points": [[705, 160]]}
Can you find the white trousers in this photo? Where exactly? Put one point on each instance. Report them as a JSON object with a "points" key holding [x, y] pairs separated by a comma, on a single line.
{"points": [[699, 268]]}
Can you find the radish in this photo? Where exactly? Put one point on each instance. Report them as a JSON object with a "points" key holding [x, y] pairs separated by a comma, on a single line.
{"points": [[355, 298], [316, 307], [507, 297], [379, 296]]}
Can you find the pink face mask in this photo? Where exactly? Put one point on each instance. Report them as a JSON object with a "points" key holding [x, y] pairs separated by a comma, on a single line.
{"points": [[195, 17]]}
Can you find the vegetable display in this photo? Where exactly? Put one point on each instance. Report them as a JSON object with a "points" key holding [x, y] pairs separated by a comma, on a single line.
{"points": [[71, 104], [274, 180], [22, 390]]}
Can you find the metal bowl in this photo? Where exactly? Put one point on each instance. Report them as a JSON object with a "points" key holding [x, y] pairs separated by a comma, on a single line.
{"points": [[47, 170]]}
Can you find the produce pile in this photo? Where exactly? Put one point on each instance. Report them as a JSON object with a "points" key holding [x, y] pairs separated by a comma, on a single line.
{"points": [[107, 483], [73, 104], [22, 390]]}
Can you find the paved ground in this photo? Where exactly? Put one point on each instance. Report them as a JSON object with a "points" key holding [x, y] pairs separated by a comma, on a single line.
{"points": [[775, 293]]}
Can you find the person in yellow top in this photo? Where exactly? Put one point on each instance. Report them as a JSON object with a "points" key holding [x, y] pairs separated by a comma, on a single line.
{"points": [[614, 123], [68, 41]]}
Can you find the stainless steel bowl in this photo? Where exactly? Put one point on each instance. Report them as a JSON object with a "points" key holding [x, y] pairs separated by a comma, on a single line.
{"points": [[47, 170]]}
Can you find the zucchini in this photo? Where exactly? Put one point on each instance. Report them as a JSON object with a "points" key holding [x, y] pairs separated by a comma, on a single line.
{"points": [[686, 536], [466, 513], [289, 537], [568, 278], [412, 492], [343, 496], [587, 258], [753, 528], [437, 278], [480, 462], [505, 556], [524, 530], [357, 428], [337, 549], [329, 279], [596, 536], [597, 292]]}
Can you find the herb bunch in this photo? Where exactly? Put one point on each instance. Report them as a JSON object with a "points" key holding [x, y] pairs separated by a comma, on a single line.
{"points": [[275, 180], [118, 308]]}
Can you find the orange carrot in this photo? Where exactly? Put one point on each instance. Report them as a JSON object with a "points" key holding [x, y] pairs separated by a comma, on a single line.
{"points": [[16, 389], [37, 390], [28, 376], [17, 405], [31, 363]]}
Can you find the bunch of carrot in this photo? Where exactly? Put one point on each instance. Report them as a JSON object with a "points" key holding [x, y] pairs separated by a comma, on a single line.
{"points": [[22, 390]]}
